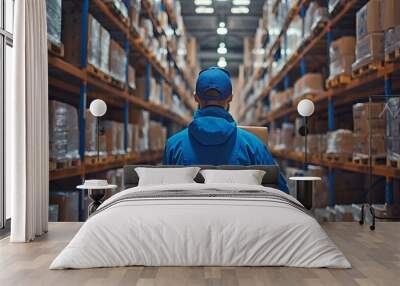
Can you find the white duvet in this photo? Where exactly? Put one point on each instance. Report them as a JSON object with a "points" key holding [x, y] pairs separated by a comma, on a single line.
{"points": [[200, 231]]}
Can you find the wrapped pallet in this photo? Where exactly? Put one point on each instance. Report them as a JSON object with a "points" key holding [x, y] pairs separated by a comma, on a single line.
{"points": [[342, 56], [104, 60], [393, 129], [315, 16], [340, 142], [63, 131], [391, 24], [309, 84], [370, 37], [94, 42], [54, 18], [118, 62], [134, 13]]}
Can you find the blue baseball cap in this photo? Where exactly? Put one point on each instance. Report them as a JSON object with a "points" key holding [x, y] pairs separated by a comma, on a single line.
{"points": [[214, 78]]}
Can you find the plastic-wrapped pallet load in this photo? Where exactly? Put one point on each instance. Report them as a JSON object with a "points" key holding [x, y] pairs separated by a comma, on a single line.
{"points": [[63, 131], [309, 84], [315, 16], [391, 24], [370, 38], [94, 49], [131, 77], [295, 37], [366, 117], [114, 133], [117, 62], [342, 56], [54, 18], [393, 129], [134, 12], [104, 60], [340, 142]]}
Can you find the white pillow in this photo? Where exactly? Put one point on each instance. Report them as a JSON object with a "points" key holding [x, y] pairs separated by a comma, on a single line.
{"points": [[166, 176], [247, 177]]}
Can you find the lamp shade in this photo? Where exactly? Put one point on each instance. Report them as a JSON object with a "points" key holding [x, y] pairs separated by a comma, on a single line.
{"points": [[305, 108], [98, 108]]}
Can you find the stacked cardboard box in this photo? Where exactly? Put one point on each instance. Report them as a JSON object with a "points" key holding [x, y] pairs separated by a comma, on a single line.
{"points": [[342, 56], [114, 134], [340, 142], [309, 84], [54, 21], [391, 24], [370, 38], [157, 136], [369, 119], [63, 131], [118, 61]]}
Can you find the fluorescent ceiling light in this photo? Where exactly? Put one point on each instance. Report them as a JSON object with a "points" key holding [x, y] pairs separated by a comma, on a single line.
{"points": [[222, 62], [222, 24], [204, 10], [240, 10], [222, 45], [241, 2], [222, 50], [202, 2], [222, 30]]}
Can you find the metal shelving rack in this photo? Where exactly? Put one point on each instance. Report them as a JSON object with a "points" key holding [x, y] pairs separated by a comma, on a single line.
{"points": [[378, 82], [79, 82]]}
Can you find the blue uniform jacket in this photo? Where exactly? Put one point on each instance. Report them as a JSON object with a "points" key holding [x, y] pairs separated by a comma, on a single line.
{"points": [[213, 138]]}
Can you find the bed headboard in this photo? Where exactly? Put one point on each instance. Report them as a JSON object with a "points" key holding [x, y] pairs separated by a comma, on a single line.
{"points": [[270, 179]]}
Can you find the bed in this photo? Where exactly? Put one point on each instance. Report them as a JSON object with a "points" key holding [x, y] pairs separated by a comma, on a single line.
{"points": [[201, 224]]}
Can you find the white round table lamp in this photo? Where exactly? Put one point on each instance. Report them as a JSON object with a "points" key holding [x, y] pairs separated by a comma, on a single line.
{"points": [[305, 108], [98, 108]]}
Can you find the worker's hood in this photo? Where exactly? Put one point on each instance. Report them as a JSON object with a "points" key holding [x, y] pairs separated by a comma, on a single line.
{"points": [[212, 126]]}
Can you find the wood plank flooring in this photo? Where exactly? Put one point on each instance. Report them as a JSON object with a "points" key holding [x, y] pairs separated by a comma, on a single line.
{"points": [[375, 257]]}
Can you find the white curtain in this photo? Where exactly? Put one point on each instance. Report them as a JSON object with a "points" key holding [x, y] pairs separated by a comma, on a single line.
{"points": [[27, 168]]}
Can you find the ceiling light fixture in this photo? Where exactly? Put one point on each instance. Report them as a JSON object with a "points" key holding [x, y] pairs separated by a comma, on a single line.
{"points": [[204, 10], [202, 2], [222, 30], [240, 10], [222, 50], [222, 62], [241, 2]]}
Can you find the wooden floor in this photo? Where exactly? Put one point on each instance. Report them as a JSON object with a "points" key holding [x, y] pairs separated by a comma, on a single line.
{"points": [[375, 257]]}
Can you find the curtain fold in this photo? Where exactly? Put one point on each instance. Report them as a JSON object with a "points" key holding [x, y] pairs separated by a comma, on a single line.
{"points": [[27, 173]]}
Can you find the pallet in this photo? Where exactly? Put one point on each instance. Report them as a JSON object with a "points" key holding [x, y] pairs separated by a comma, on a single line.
{"points": [[393, 163], [365, 160], [117, 83], [55, 49], [65, 164], [99, 73], [92, 160], [393, 56], [338, 81], [368, 68], [118, 13], [342, 158]]}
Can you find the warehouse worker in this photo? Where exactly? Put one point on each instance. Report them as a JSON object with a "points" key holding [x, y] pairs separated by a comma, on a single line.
{"points": [[213, 138]]}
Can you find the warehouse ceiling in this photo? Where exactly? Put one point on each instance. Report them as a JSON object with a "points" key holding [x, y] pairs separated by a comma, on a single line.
{"points": [[204, 28]]}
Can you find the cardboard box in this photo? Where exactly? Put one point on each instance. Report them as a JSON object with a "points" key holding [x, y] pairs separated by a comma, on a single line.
{"points": [[94, 48], [390, 13], [362, 110], [311, 83], [340, 142], [104, 60], [260, 132], [341, 66], [368, 19], [361, 146], [344, 46], [117, 62], [369, 49]]}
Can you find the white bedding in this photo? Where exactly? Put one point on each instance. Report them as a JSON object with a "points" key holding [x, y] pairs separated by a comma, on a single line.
{"points": [[189, 231]]}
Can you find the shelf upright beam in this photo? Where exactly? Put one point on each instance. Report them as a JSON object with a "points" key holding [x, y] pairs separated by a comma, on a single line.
{"points": [[303, 66], [148, 77], [331, 127], [126, 103], [83, 99], [389, 181]]}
